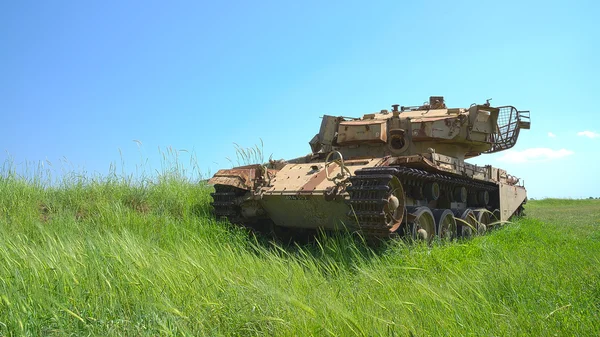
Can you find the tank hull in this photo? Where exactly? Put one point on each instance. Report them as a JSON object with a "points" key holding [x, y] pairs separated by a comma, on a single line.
{"points": [[376, 196]]}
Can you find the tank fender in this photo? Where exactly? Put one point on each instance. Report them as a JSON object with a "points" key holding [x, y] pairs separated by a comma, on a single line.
{"points": [[244, 177]]}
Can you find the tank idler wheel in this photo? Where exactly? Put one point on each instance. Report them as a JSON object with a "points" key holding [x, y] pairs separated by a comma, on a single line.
{"points": [[466, 223], [483, 220], [445, 224], [423, 223]]}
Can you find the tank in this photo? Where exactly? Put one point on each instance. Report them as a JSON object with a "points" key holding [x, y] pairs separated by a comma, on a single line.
{"points": [[393, 172]]}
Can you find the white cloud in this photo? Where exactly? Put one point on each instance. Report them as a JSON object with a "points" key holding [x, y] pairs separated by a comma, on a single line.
{"points": [[551, 135], [539, 154], [589, 134]]}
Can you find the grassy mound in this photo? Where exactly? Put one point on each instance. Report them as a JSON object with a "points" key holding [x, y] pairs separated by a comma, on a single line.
{"points": [[109, 257]]}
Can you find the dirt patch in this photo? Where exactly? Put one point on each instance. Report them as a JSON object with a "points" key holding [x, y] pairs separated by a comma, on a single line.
{"points": [[44, 213], [140, 206]]}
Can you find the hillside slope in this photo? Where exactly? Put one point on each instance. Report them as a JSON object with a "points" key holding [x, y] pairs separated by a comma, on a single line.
{"points": [[109, 257]]}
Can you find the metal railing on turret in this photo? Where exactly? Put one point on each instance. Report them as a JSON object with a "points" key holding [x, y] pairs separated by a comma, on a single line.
{"points": [[510, 122]]}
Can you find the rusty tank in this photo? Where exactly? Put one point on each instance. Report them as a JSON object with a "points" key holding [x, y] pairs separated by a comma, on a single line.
{"points": [[394, 172]]}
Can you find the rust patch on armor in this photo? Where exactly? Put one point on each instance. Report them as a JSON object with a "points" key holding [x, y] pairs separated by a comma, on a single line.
{"points": [[317, 179]]}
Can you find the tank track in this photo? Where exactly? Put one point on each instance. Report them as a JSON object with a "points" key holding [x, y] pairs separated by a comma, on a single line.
{"points": [[369, 192], [224, 204]]}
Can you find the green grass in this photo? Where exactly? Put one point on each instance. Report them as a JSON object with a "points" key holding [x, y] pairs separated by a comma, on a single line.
{"points": [[110, 257]]}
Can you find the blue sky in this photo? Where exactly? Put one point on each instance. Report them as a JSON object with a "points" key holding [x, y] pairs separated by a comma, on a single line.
{"points": [[81, 80]]}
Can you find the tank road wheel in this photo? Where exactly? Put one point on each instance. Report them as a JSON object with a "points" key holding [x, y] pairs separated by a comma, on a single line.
{"points": [[445, 224], [423, 223], [483, 220], [394, 209], [496, 218], [466, 223]]}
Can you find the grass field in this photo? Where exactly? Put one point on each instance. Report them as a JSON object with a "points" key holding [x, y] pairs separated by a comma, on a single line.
{"points": [[109, 257]]}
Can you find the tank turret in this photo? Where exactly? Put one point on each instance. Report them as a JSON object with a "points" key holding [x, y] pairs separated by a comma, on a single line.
{"points": [[407, 130]]}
